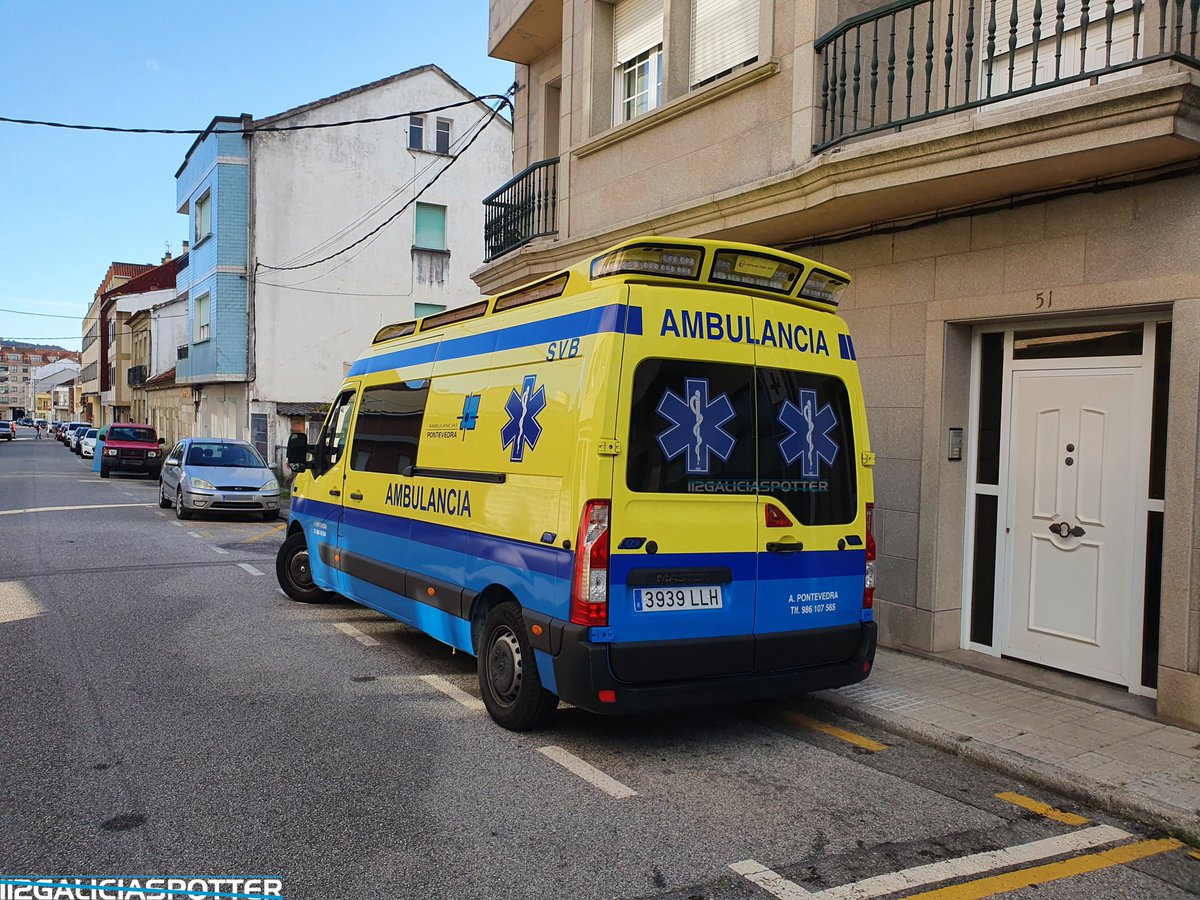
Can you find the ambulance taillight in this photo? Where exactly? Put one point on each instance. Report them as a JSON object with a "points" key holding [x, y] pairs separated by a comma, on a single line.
{"points": [[589, 587], [869, 583]]}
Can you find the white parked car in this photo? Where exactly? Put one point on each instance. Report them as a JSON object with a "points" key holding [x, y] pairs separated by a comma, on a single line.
{"points": [[87, 443]]}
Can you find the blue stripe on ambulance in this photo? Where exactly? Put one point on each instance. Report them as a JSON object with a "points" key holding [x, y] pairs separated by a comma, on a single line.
{"points": [[614, 318], [542, 575]]}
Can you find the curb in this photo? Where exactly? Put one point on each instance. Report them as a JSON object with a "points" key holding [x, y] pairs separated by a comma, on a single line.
{"points": [[1177, 821]]}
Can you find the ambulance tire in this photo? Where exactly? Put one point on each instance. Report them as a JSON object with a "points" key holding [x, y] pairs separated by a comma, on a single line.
{"points": [[508, 676], [295, 577]]}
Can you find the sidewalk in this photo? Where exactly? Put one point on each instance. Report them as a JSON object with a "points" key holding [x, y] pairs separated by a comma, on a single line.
{"points": [[1117, 761]]}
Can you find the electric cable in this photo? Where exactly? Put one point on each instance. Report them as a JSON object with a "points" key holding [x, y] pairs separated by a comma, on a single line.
{"points": [[503, 98], [378, 228], [350, 226]]}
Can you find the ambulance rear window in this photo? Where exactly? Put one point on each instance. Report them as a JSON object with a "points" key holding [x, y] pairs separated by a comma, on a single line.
{"points": [[718, 429], [806, 456]]}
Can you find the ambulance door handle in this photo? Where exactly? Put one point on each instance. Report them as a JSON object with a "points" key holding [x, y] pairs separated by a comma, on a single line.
{"points": [[334, 492], [356, 496], [784, 546]]}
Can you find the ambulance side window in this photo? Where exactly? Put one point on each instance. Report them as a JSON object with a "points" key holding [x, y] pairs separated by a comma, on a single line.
{"points": [[332, 440], [388, 429]]}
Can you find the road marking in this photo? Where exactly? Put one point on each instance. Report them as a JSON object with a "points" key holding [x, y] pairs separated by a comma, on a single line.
{"points": [[1194, 854], [1042, 809], [38, 509], [365, 639], [177, 524], [249, 568], [256, 537], [453, 691], [975, 864], [159, 512], [588, 772], [769, 880], [215, 549], [194, 534], [1067, 868], [840, 733]]}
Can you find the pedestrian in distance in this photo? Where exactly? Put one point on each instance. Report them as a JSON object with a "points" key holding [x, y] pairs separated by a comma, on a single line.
{"points": [[37, 432]]}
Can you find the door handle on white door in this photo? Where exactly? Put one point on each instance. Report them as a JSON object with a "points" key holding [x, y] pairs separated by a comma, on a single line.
{"points": [[1065, 530]]}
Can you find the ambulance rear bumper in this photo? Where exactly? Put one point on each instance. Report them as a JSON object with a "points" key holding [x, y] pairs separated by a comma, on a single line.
{"points": [[582, 670]]}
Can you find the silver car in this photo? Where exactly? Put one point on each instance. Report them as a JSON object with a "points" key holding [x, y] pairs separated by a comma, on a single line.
{"points": [[201, 474]]}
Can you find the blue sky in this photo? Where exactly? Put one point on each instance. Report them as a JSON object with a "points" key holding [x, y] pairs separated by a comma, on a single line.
{"points": [[72, 202]]}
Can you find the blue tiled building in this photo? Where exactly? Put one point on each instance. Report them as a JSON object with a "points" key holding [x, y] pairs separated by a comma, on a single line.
{"points": [[212, 190]]}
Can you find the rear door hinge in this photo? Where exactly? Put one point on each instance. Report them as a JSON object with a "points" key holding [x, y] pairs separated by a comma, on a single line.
{"points": [[868, 458], [608, 447]]}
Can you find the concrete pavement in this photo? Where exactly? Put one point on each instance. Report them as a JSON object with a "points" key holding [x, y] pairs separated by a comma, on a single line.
{"points": [[1109, 758]]}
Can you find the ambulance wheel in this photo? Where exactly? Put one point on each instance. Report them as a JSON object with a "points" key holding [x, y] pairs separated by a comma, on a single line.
{"points": [[508, 676], [294, 574], [181, 511], [164, 502]]}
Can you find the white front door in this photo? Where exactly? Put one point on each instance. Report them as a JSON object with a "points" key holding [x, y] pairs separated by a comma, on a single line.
{"points": [[1073, 536]]}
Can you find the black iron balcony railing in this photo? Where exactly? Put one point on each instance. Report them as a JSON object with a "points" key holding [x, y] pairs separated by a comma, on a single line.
{"points": [[914, 60], [181, 352], [136, 375], [523, 209]]}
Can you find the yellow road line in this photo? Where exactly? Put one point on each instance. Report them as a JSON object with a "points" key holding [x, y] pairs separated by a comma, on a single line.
{"points": [[840, 733], [263, 534], [1194, 854], [1067, 868], [1042, 809]]}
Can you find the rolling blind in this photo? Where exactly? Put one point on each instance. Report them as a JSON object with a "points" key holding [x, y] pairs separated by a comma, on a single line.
{"points": [[637, 27], [724, 35]]}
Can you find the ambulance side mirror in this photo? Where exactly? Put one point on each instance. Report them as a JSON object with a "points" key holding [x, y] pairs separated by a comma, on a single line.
{"points": [[297, 451]]}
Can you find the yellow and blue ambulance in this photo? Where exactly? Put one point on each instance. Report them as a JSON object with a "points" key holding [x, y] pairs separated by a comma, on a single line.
{"points": [[640, 483]]}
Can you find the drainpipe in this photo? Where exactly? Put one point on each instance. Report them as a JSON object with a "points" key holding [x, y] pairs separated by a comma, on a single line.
{"points": [[251, 271]]}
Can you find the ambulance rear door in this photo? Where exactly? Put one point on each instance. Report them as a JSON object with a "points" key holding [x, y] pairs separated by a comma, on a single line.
{"points": [[812, 522], [684, 528]]}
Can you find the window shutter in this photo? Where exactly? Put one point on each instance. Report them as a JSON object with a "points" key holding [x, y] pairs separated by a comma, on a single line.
{"points": [[724, 35], [637, 26], [431, 227]]}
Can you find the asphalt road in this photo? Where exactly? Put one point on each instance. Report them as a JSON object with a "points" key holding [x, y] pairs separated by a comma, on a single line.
{"points": [[167, 710]]}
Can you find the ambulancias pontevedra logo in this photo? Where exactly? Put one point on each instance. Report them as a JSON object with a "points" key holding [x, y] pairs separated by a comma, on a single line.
{"points": [[140, 887]]}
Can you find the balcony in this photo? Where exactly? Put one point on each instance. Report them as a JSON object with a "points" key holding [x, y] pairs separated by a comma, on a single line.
{"points": [[135, 376], [526, 207], [522, 30], [915, 60]]}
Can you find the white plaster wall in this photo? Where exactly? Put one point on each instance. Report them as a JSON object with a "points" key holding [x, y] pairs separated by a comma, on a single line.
{"points": [[168, 330], [307, 186]]}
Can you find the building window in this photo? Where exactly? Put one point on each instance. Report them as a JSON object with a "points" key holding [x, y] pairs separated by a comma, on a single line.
{"points": [[637, 58], [416, 132], [421, 310], [203, 313], [443, 136], [431, 227], [724, 36], [204, 216], [258, 434]]}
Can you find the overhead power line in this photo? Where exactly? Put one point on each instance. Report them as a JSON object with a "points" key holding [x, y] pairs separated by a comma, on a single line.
{"points": [[388, 221], [503, 98]]}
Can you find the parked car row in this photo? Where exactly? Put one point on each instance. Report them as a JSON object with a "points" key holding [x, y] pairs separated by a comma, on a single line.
{"points": [[197, 475]]}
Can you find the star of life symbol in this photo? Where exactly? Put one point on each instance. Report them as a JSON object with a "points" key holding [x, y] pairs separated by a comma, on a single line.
{"points": [[696, 426], [522, 428], [470, 414], [809, 440]]}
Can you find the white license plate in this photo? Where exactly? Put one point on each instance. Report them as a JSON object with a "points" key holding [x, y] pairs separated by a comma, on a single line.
{"points": [[694, 596]]}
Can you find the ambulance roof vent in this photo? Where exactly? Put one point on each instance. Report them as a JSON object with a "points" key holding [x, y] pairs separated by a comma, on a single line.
{"points": [[450, 316]]}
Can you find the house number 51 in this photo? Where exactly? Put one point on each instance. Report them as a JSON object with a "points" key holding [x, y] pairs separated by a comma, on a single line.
{"points": [[1045, 299]]}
